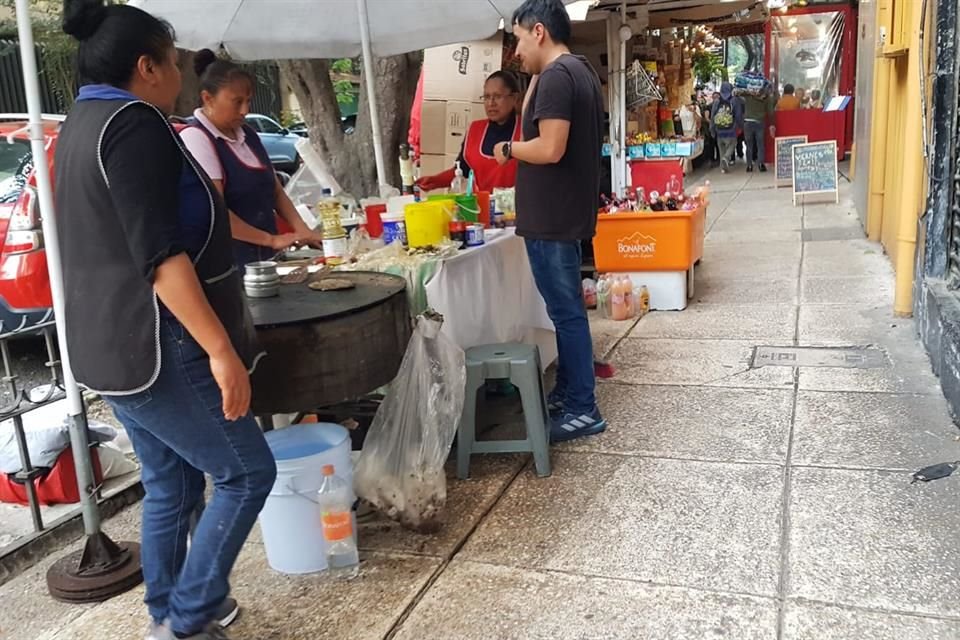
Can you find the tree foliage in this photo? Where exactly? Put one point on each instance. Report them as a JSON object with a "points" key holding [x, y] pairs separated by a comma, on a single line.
{"points": [[57, 49]]}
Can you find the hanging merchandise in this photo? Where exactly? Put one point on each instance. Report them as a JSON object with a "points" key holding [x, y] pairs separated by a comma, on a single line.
{"points": [[641, 88]]}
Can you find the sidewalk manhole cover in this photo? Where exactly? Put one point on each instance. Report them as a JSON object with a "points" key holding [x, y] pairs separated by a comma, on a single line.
{"points": [[849, 358]]}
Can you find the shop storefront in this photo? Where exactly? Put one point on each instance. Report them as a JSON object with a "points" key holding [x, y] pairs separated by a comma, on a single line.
{"points": [[813, 49]]}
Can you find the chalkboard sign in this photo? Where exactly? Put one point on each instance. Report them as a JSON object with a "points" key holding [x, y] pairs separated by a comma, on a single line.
{"points": [[783, 157], [815, 169]]}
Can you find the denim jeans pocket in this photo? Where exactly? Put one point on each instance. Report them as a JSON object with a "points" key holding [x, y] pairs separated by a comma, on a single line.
{"points": [[130, 402]]}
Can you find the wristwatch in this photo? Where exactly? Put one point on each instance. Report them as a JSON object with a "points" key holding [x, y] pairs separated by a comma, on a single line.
{"points": [[507, 150]]}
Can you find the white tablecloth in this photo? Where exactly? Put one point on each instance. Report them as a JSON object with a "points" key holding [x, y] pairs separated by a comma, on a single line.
{"points": [[487, 296]]}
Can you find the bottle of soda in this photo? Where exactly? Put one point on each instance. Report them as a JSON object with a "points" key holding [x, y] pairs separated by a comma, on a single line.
{"points": [[336, 503]]}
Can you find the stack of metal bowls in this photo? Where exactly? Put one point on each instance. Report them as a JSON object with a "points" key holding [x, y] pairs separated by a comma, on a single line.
{"points": [[261, 280]]}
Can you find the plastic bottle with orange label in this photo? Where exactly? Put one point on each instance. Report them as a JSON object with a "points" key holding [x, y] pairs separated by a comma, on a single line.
{"points": [[336, 517]]}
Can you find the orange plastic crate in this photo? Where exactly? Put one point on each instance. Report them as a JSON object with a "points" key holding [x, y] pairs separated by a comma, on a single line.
{"points": [[652, 241]]}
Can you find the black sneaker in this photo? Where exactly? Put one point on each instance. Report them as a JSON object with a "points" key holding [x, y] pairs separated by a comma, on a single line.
{"points": [[749, 168], [763, 168], [227, 613]]}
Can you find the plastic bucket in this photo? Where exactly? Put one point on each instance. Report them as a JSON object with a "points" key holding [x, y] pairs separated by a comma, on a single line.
{"points": [[394, 228], [290, 519], [428, 223], [468, 209]]}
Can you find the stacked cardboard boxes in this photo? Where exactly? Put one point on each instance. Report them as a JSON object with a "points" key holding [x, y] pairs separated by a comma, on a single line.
{"points": [[453, 78]]}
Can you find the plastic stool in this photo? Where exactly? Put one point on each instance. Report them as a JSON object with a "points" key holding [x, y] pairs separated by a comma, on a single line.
{"points": [[519, 363]]}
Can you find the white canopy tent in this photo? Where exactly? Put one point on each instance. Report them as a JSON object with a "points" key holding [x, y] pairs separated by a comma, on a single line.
{"points": [[287, 29]]}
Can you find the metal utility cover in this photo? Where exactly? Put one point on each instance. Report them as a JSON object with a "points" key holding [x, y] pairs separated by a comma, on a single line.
{"points": [[848, 358]]}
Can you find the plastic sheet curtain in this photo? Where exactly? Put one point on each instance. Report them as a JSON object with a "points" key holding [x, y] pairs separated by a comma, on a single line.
{"points": [[806, 51]]}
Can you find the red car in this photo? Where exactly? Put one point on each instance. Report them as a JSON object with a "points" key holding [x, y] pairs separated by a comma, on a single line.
{"points": [[25, 298]]}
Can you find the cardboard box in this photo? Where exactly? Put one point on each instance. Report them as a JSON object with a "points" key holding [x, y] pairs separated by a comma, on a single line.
{"points": [[459, 117], [444, 125], [431, 165], [433, 126], [457, 72]]}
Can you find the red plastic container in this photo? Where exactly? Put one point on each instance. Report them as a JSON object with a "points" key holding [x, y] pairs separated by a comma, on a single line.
{"points": [[374, 222], [655, 175]]}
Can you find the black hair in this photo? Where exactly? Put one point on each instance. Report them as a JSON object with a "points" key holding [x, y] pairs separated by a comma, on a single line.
{"points": [[113, 38], [508, 79], [550, 13], [788, 89], [216, 73], [816, 94]]}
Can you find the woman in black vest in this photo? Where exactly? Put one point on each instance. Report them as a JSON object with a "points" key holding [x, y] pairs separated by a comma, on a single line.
{"points": [[155, 315]]}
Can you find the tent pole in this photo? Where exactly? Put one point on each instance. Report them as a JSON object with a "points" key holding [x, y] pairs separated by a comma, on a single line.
{"points": [[103, 568], [78, 423], [371, 92]]}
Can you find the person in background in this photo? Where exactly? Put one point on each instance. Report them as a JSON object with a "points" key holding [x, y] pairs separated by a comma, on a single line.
{"points": [[711, 150], [741, 150], [156, 318], [231, 153], [816, 100], [727, 117], [789, 100], [757, 117], [558, 183], [803, 97], [501, 100], [690, 118]]}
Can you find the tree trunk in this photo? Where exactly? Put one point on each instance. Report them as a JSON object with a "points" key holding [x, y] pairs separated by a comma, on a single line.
{"points": [[350, 157], [189, 98]]}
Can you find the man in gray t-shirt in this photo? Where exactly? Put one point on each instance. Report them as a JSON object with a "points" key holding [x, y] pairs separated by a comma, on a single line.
{"points": [[558, 184]]}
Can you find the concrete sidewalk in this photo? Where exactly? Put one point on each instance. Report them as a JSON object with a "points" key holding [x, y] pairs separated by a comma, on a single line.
{"points": [[726, 500]]}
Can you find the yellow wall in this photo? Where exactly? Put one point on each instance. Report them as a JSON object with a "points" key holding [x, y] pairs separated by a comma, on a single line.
{"points": [[897, 173]]}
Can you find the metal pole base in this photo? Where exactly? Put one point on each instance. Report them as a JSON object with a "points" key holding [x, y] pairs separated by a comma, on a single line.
{"points": [[101, 570]]}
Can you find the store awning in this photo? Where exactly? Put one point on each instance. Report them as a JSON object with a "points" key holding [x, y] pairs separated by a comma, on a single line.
{"points": [[665, 14]]}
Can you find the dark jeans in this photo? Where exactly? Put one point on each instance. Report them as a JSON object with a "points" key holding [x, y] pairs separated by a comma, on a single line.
{"points": [[755, 133], [179, 434], [710, 149], [556, 270]]}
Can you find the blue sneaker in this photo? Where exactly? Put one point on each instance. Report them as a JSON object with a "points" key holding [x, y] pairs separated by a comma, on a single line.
{"points": [[570, 426], [554, 404]]}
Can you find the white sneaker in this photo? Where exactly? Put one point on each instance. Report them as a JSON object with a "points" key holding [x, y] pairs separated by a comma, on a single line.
{"points": [[160, 632], [213, 632]]}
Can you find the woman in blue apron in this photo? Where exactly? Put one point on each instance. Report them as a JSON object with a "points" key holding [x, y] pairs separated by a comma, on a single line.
{"points": [[231, 153]]}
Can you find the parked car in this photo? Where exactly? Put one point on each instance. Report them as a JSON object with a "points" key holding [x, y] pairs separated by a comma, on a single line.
{"points": [[279, 142], [300, 129], [25, 298]]}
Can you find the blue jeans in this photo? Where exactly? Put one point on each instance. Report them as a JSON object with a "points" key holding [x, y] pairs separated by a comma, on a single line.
{"points": [[179, 434], [556, 270], [756, 135]]}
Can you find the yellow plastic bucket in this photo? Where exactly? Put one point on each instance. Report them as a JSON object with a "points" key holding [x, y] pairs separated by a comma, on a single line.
{"points": [[428, 223]]}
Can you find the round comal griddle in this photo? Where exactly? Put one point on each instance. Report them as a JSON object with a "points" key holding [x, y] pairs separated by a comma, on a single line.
{"points": [[327, 347], [299, 303]]}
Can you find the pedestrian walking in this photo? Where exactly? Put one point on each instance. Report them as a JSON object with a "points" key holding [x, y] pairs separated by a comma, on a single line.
{"points": [[558, 183], [757, 120], [155, 314], [727, 117]]}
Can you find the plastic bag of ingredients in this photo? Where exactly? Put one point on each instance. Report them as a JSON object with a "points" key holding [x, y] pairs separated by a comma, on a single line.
{"points": [[401, 468]]}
